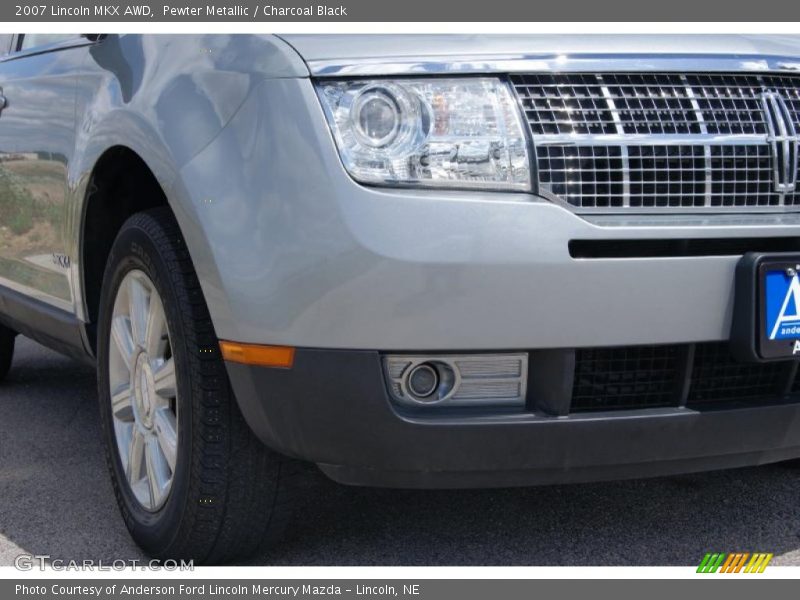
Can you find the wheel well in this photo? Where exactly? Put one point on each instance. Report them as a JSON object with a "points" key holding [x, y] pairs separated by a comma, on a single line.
{"points": [[120, 186]]}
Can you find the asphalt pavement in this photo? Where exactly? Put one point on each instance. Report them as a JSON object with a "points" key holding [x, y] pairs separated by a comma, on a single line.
{"points": [[56, 499]]}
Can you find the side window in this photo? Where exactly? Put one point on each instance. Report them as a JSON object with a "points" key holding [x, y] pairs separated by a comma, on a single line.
{"points": [[36, 40]]}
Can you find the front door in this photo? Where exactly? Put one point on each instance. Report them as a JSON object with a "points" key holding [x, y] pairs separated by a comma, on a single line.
{"points": [[37, 122]]}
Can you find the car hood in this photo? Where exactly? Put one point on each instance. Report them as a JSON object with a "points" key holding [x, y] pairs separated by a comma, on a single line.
{"points": [[376, 48]]}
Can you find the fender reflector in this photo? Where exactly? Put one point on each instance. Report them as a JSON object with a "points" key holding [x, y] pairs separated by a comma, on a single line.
{"points": [[253, 354]]}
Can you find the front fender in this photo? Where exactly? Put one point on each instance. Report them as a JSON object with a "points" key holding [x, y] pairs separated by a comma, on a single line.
{"points": [[165, 98]]}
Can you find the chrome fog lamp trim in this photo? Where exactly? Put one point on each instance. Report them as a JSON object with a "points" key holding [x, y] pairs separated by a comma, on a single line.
{"points": [[463, 379]]}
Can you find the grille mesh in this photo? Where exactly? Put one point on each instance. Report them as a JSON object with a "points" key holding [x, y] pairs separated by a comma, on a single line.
{"points": [[729, 104], [667, 175], [637, 377], [564, 104], [742, 176], [588, 176], [653, 140], [659, 176], [612, 378], [661, 103], [717, 377], [789, 89]]}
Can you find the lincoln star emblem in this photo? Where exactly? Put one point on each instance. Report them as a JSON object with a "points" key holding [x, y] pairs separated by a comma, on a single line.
{"points": [[783, 139]]}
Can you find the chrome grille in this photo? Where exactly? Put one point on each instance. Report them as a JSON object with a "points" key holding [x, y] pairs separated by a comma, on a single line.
{"points": [[690, 176], [667, 175], [650, 141], [589, 176]]}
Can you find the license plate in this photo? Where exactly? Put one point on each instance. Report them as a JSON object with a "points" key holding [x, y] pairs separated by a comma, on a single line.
{"points": [[767, 307]]}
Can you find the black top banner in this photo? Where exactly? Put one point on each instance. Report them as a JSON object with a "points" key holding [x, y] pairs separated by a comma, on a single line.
{"points": [[782, 11]]}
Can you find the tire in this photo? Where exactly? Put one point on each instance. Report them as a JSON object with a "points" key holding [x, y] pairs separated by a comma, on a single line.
{"points": [[227, 495], [7, 340]]}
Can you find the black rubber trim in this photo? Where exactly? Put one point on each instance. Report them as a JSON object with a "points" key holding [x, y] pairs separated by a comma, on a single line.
{"points": [[50, 326], [667, 248], [332, 408], [550, 476]]}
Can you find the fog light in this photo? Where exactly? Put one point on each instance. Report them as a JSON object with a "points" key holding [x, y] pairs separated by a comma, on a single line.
{"points": [[423, 380], [428, 382], [457, 380]]}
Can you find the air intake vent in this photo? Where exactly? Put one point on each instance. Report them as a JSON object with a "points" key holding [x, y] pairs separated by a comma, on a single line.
{"points": [[717, 377], [701, 375], [632, 377]]}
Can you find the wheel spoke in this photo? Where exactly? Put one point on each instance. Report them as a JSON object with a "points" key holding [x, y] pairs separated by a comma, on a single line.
{"points": [[167, 434], [165, 381], [136, 457], [124, 433], [123, 339], [121, 404], [138, 296], [158, 474], [156, 329]]}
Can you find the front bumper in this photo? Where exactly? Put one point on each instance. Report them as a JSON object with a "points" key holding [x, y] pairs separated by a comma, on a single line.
{"points": [[291, 251], [332, 408]]}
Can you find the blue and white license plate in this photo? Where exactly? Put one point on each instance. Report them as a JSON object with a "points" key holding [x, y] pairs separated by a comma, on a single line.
{"points": [[782, 303], [779, 308], [766, 308]]}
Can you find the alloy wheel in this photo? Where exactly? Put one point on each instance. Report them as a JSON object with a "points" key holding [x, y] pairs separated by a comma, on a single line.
{"points": [[143, 390]]}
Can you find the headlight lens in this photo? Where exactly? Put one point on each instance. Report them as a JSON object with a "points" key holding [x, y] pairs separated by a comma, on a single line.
{"points": [[459, 133]]}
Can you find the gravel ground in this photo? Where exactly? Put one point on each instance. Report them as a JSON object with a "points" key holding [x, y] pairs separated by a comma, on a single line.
{"points": [[55, 499]]}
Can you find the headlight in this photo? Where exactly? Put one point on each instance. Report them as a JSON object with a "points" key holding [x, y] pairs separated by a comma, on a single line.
{"points": [[459, 133]]}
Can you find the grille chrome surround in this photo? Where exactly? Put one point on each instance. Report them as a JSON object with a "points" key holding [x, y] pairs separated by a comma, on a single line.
{"points": [[665, 141]]}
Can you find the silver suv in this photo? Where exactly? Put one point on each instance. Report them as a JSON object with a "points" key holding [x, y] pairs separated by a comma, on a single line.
{"points": [[415, 261]]}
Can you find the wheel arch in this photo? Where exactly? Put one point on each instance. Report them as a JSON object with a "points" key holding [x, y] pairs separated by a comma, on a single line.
{"points": [[120, 183]]}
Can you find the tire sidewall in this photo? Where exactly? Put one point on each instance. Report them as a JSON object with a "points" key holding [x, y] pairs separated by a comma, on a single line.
{"points": [[135, 249]]}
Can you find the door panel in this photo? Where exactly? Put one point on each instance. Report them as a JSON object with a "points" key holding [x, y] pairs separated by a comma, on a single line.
{"points": [[36, 144]]}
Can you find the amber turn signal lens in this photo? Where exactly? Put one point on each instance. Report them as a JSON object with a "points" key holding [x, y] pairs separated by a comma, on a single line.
{"points": [[253, 354]]}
